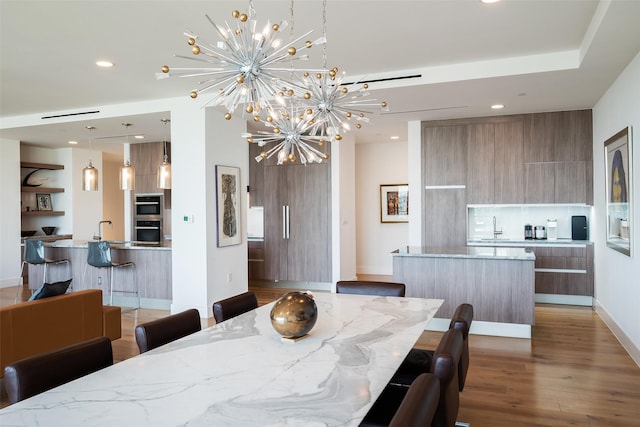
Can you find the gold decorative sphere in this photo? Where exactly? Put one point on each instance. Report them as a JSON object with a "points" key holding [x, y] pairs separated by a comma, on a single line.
{"points": [[358, 126], [193, 94], [235, 14], [319, 75], [311, 121], [332, 73], [249, 140], [292, 157], [345, 90], [290, 92], [384, 104], [269, 119], [276, 130], [338, 137], [309, 110], [275, 27], [195, 50], [348, 114], [227, 116], [191, 41], [165, 68], [308, 44], [243, 17], [249, 108], [256, 118], [306, 74], [291, 51], [335, 69], [240, 79], [263, 154], [321, 143], [362, 115], [307, 95], [325, 156], [366, 85], [238, 31]]}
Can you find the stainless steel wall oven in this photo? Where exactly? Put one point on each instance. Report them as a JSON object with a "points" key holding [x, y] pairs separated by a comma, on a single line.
{"points": [[148, 211]]}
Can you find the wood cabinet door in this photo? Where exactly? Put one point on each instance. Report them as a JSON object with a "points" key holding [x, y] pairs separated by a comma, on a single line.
{"points": [[539, 183], [481, 162], [444, 155], [275, 244], [445, 218], [570, 182], [509, 161], [256, 177]]}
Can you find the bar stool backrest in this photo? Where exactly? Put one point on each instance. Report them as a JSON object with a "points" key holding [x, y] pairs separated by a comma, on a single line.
{"points": [[33, 251], [99, 254]]}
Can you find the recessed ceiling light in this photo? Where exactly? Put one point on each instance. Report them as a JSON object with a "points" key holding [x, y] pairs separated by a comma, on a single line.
{"points": [[104, 64], [139, 137], [497, 106], [489, 1], [395, 137], [73, 142]]}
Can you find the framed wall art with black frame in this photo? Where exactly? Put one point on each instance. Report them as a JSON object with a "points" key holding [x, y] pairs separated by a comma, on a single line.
{"points": [[618, 183]]}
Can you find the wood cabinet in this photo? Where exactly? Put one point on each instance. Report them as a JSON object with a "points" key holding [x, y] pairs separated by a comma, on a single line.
{"points": [[564, 270], [558, 156], [146, 158], [256, 177], [297, 227], [444, 154]]}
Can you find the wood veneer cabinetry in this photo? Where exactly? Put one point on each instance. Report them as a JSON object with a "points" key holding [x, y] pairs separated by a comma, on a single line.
{"points": [[297, 228], [564, 270]]}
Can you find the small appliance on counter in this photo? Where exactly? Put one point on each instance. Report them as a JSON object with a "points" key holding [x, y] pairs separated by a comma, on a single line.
{"points": [[528, 232], [540, 232], [579, 227], [552, 229]]}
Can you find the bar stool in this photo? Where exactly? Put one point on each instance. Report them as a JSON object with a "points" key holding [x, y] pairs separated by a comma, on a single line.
{"points": [[99, 256], [34, 255]]}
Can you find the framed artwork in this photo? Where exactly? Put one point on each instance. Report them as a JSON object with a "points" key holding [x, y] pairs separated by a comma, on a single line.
{"points": [[43, 201], [228, 205], [394, 203], [619, 173]]}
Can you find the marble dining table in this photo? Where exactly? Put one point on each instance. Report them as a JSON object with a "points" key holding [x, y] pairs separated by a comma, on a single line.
{"points": [[242, 373]]}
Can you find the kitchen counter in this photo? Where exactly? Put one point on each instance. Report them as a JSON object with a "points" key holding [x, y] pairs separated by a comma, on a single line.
{"points": [[114, 244], [498, 281], [529, 243], [466, 252]]}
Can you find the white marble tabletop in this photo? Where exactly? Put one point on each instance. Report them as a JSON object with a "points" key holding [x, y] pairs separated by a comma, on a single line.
{"points": [[240, 373]]}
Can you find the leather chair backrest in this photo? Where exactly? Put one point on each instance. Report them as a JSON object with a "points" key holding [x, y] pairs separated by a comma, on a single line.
{"points": [[234, 306], [445, 367], [170, 328], [44, 371], [420, 403], [363, 287], [461, 320]]}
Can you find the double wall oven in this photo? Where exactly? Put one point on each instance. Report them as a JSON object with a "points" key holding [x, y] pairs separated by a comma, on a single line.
{"points": [[148, 211]]}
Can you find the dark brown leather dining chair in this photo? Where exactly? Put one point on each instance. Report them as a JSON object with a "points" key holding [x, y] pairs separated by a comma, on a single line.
{"points": [[363, 287], [158, 332], [234, 306], [419, 405], [418, 361], [44, 371]]}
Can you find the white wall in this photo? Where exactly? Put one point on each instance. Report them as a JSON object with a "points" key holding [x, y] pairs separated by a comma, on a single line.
{"points": [[617, 277], [9, 212], [378, 164]]}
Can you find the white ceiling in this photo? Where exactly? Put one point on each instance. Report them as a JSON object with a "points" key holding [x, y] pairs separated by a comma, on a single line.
{"points": [[530, 55]]}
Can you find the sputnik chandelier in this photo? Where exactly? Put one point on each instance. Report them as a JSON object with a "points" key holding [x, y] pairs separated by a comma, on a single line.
{"points": [[300, 108], [247, 64]]}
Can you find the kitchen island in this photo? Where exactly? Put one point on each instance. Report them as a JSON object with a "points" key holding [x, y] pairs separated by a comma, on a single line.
{"points": [[152, 271], [498, 282]]}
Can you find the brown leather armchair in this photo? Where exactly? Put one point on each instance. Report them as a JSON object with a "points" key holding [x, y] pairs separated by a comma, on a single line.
{"points": [[234, 306], [363, 287], [170, 328], [36, 374]]}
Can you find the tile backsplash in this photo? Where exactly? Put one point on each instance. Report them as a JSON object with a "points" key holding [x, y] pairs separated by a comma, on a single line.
{"points": [[511, 219]]}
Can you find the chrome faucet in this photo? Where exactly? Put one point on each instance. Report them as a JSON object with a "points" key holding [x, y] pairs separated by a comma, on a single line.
{"points": [[496, 232], [99, 236]]}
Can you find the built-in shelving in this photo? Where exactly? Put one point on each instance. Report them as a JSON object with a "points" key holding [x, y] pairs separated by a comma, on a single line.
{"points": [[42, 213], [39, 189], [48, 166]]}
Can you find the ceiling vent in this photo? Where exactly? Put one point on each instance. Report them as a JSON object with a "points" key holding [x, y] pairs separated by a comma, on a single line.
{"points": [[82, 113], [387, 79]]}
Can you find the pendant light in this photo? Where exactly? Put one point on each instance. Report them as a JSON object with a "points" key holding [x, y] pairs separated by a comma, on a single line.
{"points": [[164, 170], [90, 173], [127, 172]]}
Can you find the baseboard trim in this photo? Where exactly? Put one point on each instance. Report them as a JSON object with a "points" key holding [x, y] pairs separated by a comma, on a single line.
{"points": [[581, 300], [618, 332], [479, 327]]}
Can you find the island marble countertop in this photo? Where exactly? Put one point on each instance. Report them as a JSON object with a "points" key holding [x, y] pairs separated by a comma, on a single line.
{"points": [[483, 252], [115, 244]]}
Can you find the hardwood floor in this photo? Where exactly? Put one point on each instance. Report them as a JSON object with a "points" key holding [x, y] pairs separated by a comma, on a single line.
{"points": [[573, 372]]}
